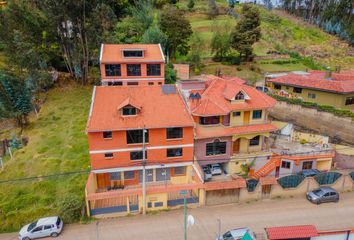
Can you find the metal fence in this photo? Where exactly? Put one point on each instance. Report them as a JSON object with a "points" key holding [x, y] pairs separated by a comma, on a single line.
{"points": [[251, 184], [290, 181], [352, 175], [327, 177]]}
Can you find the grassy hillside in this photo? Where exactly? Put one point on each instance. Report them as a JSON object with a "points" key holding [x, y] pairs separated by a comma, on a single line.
{"points": [[57, 143]]}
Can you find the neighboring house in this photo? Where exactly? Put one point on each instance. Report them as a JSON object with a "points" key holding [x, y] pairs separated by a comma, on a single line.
{"points": [[232, 125], [115, 126], [132, 64], [325, 88]]}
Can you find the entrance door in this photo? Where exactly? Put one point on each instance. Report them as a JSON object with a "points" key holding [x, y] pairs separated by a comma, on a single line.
{"points": [[246, 117], [236, 146], [277, 172], [266, 191], [307, 165], [103, 180]]}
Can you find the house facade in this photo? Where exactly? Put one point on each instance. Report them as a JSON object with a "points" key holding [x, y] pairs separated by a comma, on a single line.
{"points": [[324, 88], [118, 119], [132, 64], [232, 125]]}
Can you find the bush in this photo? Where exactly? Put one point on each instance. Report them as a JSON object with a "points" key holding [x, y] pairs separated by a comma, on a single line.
{"points": [[70, 208], [239, 68], [170, 74]]}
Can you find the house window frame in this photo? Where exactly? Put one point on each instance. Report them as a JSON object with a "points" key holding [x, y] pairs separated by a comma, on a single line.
{"points": [[111, 71], [285, 164], [115, 176], [128, 111], [277, 86], [133, 69], [255, 114], [129, 177], [349, 101], [311, 95], [181, 173], [297, 90], [210, 120], [236, 114], [252, 141], [139, 137], [132, 51], [151, 68], [169, 150], [214, 146], [174, 135], [107, 135], [134, 154], [240, 96], [108, 155]]}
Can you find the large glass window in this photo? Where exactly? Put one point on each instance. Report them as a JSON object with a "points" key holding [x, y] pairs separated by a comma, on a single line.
{"points": [[133, 70], [215, 148], [133, 53], [114, 176], [136, 136], [255, 141], [112, 70], [174, 133], [179, 171], [137, 155], [129, 175], [174, 152], [209, 120], [349, 101], [153, 69], [257, 114]]}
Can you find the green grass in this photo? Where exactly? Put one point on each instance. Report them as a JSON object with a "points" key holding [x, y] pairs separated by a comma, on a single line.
{"points": [[57, 143]]}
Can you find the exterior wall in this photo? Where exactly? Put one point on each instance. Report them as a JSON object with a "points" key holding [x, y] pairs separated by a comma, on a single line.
{"points": [[144, 78], [323, 98], [200, 149], [245, 143], [239, 120], [153, 199], [121, 150], [324, 164]]}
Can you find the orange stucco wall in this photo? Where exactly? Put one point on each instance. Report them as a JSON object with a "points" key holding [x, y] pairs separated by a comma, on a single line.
{"points": [[157, 137]]}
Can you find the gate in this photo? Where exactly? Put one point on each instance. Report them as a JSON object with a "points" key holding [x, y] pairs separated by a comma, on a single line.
{"points": [[223, 196], [291, 181], [266, 191]]}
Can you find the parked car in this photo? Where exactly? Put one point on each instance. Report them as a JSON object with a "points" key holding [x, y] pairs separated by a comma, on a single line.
{"points": [[207, 174], [44, 227], [215, 169], [323, 194], [309, 172], [237, 234], [263, 89]]}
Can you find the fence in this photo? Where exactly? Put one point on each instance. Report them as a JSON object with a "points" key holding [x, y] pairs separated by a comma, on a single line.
{"points": [[327, 178], [251, 184], [291, 181]]}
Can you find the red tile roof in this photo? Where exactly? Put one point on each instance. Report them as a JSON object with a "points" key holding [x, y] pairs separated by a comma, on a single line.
{"points": [[268, 180], [113, 53], [339, 82], [233, 78], [215, 99], [155, 108], [220, 131], [291, 232]]}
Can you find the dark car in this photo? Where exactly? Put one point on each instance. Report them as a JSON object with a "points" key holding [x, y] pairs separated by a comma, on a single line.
{"points": [[322, 195], [309, 172]]}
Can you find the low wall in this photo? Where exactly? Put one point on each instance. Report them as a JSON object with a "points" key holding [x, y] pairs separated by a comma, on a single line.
{"points": [[321, 122], [344, 161]]}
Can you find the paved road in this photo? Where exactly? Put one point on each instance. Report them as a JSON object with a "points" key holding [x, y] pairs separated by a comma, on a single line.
{"points": [[257, 215]]}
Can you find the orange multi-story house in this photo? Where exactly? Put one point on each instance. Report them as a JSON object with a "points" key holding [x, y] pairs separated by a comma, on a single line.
{"points": [[117, 120], [132, 64]]}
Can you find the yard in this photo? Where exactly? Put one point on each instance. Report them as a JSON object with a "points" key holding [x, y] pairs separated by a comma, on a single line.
{"points": [[57, 144]]}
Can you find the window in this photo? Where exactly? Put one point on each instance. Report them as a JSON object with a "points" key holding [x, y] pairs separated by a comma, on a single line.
{"points": [[137, 155], [129, 175], [160, 83], [133, 70], [173, 133], [158, 204], [153, 69], [179, 171], [311, 95], [151, 83], [133, 53], [307, 165], [114, 176], [117, 83], [132, 83], [46, 227], [174, 152], [297, 90], [136, 136], [215, 148], [112, 70], [107, 134], [277, 86], [209, 120], [240, 96], [349, 101], [255, 141], [236, 114], [285, 164], [129, 110], [257, 114], [108, 155], [37, 229]]}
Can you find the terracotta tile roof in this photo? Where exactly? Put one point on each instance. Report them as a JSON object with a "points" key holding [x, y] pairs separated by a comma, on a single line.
{"points": [[268, 180], [339, 82], [154, 103], [291, 232], [215, 98], [233, 78], [220, 131], [129, 101], [113, 53]]}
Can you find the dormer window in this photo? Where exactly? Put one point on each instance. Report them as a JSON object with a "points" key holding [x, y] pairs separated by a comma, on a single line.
{"points": [[133, 53], [240, 96], [129, 111]]}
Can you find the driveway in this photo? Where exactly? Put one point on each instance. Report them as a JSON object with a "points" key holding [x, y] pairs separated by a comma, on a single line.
{"points": [[257, 215]]}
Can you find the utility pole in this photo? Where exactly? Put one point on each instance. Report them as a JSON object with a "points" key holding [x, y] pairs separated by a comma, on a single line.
{"points": [[184, 193], [219, 228], [144, 174]]}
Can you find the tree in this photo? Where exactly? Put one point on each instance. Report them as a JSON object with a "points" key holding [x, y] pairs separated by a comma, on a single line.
{"points": [[170, 74], [190, 5], [231, 3], [15, 98], [196, 48], [213, 9], [247, 31], [177, 29], [154, 35], [221, 40]]}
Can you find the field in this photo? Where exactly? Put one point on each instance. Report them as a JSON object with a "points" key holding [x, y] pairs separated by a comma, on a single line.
{"points": [[57, 144]]}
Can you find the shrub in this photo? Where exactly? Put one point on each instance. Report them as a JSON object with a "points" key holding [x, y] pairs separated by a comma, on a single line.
{"points": [[70, 208], [170, 74], [303, 141], [239, 68]]}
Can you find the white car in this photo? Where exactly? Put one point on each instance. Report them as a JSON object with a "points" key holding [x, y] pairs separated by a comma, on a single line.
{"points": [[215, 169], [237, 234], [44, 227]]}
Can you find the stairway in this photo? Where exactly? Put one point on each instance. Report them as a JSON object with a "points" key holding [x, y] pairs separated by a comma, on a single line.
{"points": [[268, 167]]}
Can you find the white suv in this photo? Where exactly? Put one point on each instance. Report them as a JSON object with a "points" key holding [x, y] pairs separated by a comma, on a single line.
{"points": [[44, 227]]}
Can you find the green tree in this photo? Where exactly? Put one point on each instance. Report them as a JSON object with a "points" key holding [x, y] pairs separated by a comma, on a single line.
{"points": [[247, 31], [170, 74], [154, 35], [177, 29], [190, 5], [221, 40], [213, 10], [196, 48], [15, 98]]}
